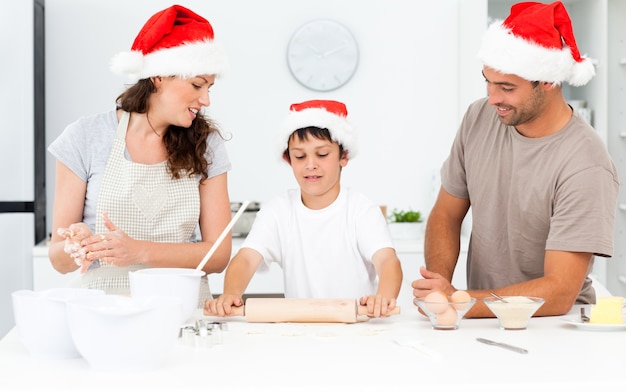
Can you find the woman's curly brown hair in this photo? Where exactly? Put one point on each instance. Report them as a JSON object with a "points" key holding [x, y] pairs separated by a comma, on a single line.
{"points": [[186, 147]]}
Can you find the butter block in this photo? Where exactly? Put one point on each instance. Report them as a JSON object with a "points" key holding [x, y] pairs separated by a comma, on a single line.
{"points": [[607, 310]]}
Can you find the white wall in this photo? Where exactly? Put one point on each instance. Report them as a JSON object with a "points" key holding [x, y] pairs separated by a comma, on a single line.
{"points": [[417, 73]]}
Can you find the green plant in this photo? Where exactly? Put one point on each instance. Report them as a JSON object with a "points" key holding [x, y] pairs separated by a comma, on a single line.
{"points": [[405, 216]]}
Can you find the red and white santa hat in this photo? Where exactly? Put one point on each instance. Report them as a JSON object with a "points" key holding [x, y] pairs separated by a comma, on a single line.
{"points": [[536, 42], [174, 42], [322, 114]]}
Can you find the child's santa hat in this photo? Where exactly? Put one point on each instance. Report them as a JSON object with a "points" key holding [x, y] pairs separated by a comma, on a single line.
{"points": [[173, 42], [322, 114], [536, 42]]}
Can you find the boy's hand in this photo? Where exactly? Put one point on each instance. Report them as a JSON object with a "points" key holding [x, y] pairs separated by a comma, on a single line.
{"points": [[223, 305], [377, 305]]}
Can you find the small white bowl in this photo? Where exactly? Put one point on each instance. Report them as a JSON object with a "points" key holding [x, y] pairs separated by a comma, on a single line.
{"points": [[116, 333], [183, 283], [41, 320], [516, 312]]}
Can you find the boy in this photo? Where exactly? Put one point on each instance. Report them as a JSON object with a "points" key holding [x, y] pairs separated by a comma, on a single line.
{"points": [[331, 242]]}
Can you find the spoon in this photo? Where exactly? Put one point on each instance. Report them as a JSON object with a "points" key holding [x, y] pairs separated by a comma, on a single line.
{"points": [[498, 297], [583, 317], [219, 240]]}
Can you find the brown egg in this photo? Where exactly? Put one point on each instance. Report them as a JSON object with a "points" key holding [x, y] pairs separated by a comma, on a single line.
{"points": [[447, 317], [436, 302], [460, 296]]}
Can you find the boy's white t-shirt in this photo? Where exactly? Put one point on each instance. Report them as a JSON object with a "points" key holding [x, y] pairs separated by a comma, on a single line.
{"points": [[324, 253]]}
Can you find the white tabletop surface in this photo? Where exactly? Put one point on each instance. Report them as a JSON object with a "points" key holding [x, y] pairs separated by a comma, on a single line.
{"points": [[400, 353]]}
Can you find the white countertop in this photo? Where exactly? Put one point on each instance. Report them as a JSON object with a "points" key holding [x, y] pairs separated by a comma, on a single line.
{"points": [[370, 356]]}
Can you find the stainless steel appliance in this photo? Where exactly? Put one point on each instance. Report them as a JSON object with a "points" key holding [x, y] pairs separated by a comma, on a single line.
{"points": [[244, 224]]}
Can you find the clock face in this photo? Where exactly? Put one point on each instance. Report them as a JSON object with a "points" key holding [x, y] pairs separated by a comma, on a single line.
{"points": [[322, 55]]}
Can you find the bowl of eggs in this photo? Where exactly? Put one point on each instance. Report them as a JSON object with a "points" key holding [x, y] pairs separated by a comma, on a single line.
{"points": [[445, 312], [513, 312]]}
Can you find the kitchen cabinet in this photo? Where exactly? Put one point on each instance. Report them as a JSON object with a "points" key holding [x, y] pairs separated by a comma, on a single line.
{"points": [[601, 35], [44, 275]]}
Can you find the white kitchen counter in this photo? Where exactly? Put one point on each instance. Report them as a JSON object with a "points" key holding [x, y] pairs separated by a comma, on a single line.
{"points": [[400, 353]]}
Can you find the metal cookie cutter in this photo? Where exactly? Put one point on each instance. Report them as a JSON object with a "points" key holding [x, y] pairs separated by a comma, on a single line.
{"points": [[204, 334]]}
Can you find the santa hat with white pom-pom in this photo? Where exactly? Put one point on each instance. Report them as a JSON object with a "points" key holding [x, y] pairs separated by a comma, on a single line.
{"points": [[536, 42], [173, 42], [325, 114]]}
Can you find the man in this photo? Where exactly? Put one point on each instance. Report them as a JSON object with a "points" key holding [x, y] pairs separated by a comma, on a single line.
{"points": [[539, 180]]}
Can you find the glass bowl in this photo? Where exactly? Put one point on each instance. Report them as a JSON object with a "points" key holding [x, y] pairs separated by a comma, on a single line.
{"points": [[516, 312], [444, 315]]}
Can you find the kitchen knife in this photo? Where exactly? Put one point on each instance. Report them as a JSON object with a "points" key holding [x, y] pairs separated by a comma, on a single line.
{"points": [[503, 345], [303, 310]]}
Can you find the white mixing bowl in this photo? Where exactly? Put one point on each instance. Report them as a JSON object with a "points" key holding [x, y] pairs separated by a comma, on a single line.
{"points": [[117, 333], [41, 320], [183, 283]]}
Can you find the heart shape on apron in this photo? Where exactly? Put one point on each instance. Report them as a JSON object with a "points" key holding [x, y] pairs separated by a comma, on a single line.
{"points": [[149, 202]]}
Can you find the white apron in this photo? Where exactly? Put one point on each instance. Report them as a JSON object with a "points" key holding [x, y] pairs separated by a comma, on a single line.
{"points": [[148, 204]]}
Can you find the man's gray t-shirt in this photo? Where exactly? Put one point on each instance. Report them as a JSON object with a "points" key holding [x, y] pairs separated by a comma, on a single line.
{"points": [[529, 195]]}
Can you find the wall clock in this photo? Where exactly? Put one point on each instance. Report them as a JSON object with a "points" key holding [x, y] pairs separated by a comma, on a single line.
{"points": [[322, 55]]}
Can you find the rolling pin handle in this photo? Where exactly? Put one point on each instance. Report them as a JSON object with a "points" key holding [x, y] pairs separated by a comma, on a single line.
{"points": [[238, 311]]}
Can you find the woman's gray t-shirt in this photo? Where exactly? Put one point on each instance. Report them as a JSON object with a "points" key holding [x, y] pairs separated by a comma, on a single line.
{"points": [[84, 147]]}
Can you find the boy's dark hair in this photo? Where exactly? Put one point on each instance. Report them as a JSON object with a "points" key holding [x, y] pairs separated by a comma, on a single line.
{"points": [[304, 133]]}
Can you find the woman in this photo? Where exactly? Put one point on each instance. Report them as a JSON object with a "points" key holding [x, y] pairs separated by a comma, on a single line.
{"points": [[133, 184]]}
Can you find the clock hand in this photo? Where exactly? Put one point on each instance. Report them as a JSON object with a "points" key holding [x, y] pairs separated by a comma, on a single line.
{"points": [[333, 51], [316, 50]]}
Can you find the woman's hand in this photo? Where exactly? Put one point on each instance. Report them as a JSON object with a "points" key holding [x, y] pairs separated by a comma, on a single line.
{"points": [[74, 235], [113, 247]]}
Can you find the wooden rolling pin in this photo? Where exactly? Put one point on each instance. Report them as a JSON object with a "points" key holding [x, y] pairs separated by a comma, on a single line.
{"points": [[303, 310]]}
